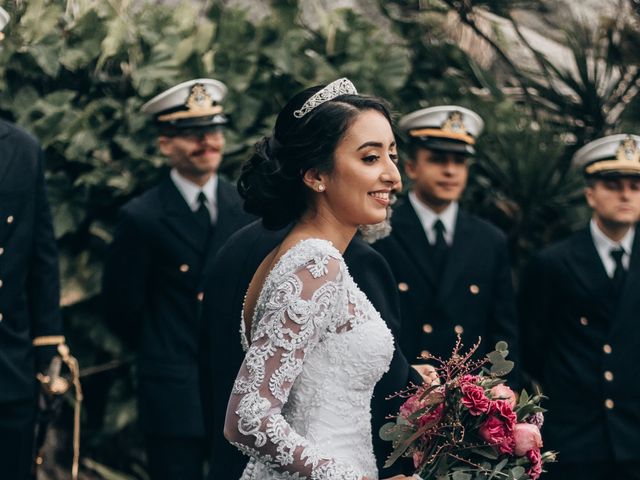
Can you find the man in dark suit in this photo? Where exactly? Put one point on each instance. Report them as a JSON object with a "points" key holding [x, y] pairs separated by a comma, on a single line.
{"points": [[30, 321], [163, 247], [235, 265], [29, 293], [452, 268], [580, 308]]}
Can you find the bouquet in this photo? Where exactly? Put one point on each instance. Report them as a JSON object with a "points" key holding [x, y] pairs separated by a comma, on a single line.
{"points": [[471, 426]]}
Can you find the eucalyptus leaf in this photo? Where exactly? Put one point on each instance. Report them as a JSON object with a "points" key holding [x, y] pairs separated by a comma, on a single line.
{"points": [[495, 357], [460, 476], [517, 472], [502, 368], [498, 468]]}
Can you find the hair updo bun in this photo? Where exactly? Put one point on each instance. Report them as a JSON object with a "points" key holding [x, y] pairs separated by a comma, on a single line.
{"points": [[271, 179]]}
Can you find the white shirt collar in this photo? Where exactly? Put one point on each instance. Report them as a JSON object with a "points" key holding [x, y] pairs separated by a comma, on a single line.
{"points": [[190, 192], [604, 245], [428, 217]]}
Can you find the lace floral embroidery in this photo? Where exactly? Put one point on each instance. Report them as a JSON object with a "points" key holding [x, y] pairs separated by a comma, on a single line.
{"points": [[308, 297], [318, 266]]}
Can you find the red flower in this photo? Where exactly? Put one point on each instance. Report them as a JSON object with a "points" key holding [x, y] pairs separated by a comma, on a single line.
{"points": [[433, 416], [411, 405], [474, 399], [502, 409], [535, 458], [497, 433], [419, 401], [498, 428], [469, 379]]}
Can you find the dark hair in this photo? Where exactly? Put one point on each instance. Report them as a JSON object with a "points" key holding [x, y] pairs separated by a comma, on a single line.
{"points": [[271, 179], [590, 180]]}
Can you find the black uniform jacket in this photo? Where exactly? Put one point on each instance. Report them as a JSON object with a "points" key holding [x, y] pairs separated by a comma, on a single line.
{"points": [[474, 296], [30, 285], [235, 265], [152, 288], [584, 349]]}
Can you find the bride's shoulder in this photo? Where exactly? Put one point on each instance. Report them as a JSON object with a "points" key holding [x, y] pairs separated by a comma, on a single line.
{"points": [[317, 256]]}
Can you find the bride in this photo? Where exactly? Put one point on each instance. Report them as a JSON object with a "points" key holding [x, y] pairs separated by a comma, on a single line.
{"points": [[315, 347]]}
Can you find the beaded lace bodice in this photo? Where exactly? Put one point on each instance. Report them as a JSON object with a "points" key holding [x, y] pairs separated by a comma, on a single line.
{"points": [[300, 406]]}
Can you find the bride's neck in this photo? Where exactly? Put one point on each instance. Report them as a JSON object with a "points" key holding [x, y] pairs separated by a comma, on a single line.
{"points": [[315, 225]]}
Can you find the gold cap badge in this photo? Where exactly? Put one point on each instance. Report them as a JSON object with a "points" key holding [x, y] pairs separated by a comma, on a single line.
{"points": [[199, 99], [628, 151], [454, 123]]}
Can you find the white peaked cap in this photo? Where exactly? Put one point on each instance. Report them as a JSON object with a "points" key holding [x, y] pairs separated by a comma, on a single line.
{"points": [[612, 155]]}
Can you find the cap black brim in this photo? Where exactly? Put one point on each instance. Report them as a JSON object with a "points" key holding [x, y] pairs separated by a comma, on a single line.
{"points": [[445, 145], [614, 174], [195, 122]]}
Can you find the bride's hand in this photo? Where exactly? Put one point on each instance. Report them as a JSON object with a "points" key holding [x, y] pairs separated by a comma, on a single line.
{"points": [[428, 374]]}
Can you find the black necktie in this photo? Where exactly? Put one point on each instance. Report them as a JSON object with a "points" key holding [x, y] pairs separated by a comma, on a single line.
{"points": [[619, 274], [440, 247], [202, 214]]}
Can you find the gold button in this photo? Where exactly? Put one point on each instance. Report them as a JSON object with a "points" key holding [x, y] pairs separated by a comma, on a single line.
{"points": [[184, 268], [584, 321], [10, 219], [425, 354], [426, 328], [1, 317], [608, 376], [1, 251], [200, 296], [458, 329], [608, 403], [403, 287], [1, 283], [474, 289], [606, 348]]}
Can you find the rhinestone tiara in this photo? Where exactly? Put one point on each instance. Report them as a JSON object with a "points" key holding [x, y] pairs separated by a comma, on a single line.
{"points": [[342, 86]]}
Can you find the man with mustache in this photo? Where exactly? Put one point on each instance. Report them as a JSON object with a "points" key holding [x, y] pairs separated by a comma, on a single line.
{"points": [[163, 246], [580, 309], [452, 268]]}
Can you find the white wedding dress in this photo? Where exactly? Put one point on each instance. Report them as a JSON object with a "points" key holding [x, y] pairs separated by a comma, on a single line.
{"points": [[300, 406]]}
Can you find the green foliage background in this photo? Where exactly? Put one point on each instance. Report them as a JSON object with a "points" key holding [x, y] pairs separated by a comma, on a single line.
{"points": [[76, 72]]}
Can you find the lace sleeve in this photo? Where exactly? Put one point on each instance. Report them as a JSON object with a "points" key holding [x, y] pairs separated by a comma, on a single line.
{"points": [[294, 315]]}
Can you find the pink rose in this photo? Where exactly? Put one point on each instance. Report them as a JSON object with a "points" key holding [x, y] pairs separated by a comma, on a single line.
{"points": [[411, 405], [474, 399], [414, 404], [433, 416], [469, 379], [502, 392], [535, 470], [527, 437], [503, 409], [495, 432]]}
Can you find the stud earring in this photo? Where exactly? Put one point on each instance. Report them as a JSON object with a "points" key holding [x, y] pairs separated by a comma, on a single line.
{"points": [[321, 188]]}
